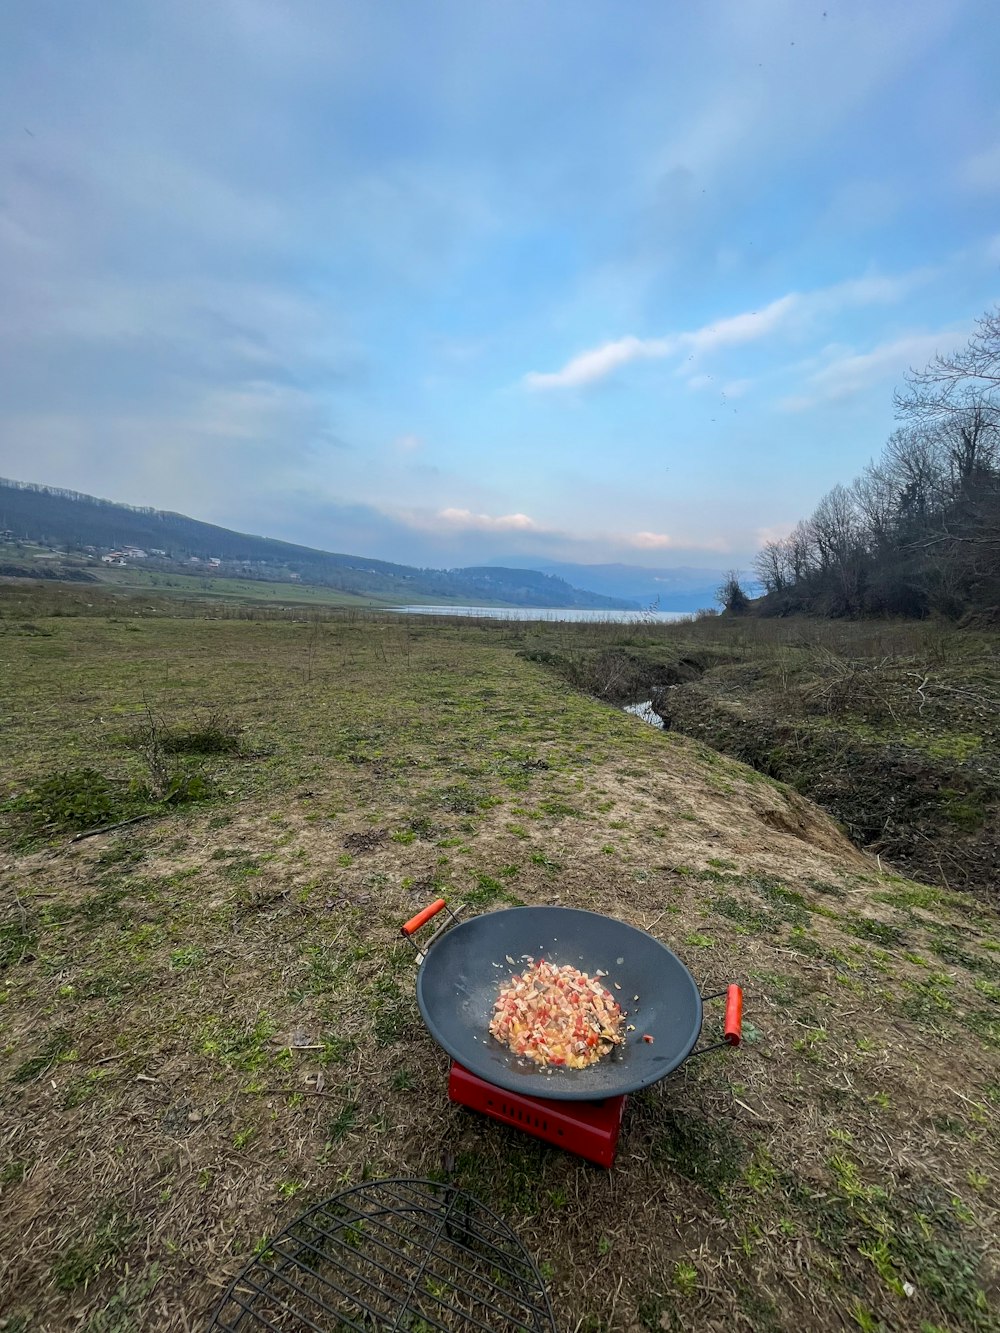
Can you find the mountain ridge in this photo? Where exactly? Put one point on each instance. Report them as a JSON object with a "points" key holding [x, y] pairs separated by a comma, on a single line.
{"points": [[77, 521]]}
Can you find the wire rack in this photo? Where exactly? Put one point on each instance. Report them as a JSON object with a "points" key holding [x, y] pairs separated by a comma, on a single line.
{"points": [[391, 1254]]}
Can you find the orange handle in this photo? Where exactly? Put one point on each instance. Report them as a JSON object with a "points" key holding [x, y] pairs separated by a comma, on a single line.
{"points": [[733, 1027], [421, 919]]}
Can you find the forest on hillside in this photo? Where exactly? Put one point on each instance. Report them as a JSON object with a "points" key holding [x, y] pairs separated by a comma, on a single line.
{"points": [[76, 523], [918, 532]]}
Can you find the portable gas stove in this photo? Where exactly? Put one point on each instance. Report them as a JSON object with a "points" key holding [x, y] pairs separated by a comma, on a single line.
{"points": [[461, 969]]}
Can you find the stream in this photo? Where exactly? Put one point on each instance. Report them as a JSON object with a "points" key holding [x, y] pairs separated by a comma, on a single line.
{"points": [[644, 710]]}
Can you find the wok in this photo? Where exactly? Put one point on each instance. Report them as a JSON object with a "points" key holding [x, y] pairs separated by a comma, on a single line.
{"points": [[464, 967]]}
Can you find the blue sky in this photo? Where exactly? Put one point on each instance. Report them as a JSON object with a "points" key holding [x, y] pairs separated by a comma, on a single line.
{"points": [[453, 282]]}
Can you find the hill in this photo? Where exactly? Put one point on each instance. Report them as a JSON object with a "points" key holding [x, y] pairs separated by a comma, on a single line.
{"points": [[83, 523], [681, 589]]}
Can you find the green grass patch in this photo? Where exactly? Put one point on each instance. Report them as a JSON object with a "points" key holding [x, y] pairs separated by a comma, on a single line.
{"points": [[702, 1150], [81, 1262], [55, 1049], [242, 1048], [878, 932]]}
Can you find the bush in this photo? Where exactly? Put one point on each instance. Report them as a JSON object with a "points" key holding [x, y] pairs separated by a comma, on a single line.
{"points": [[77, 798]]}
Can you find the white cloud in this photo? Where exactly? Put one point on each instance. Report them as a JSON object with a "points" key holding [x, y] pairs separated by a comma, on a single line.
{"points": [[791, 311], [736, 388], [650, 541], [662, 541], [407, 444], [465, 520], [872, 289], [743, 328], [849, 373], [777, 532], [598, 363]]}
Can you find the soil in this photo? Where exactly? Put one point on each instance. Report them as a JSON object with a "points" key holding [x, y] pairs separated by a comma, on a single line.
{"points": [[893, 730], [934, 816]]}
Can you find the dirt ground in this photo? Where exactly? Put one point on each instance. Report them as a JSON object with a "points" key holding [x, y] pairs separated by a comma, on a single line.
{"points": [[208, 1018]]}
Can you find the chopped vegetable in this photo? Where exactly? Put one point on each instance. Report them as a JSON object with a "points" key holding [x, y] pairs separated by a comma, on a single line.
{"points": [[555, 1015]]}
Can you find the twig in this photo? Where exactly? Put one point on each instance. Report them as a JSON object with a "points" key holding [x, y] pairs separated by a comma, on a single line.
{"points": [[21, 909], [123, 1055], [748, 1108], [965, 1099], [287, 1092], [106, 828]]}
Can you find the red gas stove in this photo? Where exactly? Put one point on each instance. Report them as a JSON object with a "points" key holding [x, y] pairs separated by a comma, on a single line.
{"points": [[589, 1129]]}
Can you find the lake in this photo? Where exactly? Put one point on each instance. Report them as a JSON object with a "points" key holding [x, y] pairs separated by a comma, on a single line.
{"points": [[545, 613]]}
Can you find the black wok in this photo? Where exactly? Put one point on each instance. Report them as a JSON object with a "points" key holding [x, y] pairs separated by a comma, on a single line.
{"points": [[460, 976]]}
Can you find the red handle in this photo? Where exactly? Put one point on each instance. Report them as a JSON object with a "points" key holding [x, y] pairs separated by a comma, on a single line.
{"points": [[733, 1026], [421, 919]]}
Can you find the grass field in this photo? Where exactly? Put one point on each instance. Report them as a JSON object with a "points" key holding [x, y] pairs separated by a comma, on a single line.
{"points": [[208, 1018]]}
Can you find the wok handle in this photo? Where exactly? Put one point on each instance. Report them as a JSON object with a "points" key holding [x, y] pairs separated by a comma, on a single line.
{"points": [[732, 1024], [421, 919], [732, 1028]]}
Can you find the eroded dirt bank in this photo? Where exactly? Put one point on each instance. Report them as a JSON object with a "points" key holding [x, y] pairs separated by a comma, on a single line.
{"points": [[901, 748]]}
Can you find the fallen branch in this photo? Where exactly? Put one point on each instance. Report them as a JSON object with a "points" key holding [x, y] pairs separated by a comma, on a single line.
{"points": [[123, 1055], [107, 828], [305, 1093]]}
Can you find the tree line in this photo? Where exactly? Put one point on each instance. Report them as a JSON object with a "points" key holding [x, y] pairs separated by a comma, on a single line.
{"points": [[918, 532]]}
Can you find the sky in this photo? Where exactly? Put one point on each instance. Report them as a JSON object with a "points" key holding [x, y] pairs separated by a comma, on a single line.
{"points": [[460, 281]]}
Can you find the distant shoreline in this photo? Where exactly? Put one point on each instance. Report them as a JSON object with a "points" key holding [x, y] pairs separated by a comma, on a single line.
{"points": [[544, 613]]}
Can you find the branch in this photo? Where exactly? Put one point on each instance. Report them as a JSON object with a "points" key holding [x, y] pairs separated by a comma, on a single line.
{"points": [[107, 828]]}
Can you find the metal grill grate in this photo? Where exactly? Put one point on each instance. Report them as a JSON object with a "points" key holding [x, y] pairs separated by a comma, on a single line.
{"points": [[392, 1254]]}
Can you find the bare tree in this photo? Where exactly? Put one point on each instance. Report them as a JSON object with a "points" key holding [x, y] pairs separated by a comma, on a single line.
{"points": [[919, 529], [771, 565], [730, 594], [971, 445], [958, 397], [876, 498], [801, 550], [944, 384], [913, 458], [837, 532]]}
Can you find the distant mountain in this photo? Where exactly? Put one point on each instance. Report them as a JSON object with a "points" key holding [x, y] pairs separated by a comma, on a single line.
{"points": [[680, 589], [78, 522]]}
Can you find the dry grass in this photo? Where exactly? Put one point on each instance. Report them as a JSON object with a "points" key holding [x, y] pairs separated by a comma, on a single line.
{"points": [[208, 1020]]}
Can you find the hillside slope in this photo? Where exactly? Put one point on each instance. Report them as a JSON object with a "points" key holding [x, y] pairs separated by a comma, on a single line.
{"points": [[70, 519]]}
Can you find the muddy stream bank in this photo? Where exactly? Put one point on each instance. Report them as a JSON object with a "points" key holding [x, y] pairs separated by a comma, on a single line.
{"points": [[906, 759]]}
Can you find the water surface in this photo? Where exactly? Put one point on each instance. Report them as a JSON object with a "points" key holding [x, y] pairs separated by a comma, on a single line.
{"points": [[546, 613]]}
